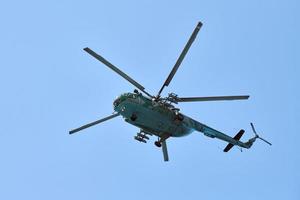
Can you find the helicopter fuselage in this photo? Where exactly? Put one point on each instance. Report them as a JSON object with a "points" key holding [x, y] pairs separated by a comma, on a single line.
{"points": [[153, 117], [156, 115]]}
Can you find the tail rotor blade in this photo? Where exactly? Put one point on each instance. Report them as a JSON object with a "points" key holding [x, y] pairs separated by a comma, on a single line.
{"points": [[93, 123], [257, 136], [253, 129], [265, 141]]}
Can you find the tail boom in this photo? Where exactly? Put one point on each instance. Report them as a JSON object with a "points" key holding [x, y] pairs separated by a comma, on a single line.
{"points": [[232, 141]]}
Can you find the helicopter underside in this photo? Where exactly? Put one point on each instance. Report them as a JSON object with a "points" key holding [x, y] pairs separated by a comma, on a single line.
{"points": [[157, 115], [151, 120]]}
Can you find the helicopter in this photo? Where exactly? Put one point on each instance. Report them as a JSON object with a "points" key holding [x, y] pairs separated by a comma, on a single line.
{"points": [[158, 116]]}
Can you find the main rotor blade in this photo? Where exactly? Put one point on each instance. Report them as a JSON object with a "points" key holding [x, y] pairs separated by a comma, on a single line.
{"points": [[181, 57], [165, 150], [93, 123], [117, 70], [215, 98]]}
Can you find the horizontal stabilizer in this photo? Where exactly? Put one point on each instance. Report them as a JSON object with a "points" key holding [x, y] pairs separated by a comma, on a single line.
{"points": [[237, 137]]}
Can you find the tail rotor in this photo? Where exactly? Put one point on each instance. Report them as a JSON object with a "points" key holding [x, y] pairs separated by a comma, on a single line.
{"points": [[257, 136]]}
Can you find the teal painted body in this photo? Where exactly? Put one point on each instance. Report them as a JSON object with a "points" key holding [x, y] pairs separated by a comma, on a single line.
{"points": [[156, 118], [156, 115], [151, 116], [162, 119]]}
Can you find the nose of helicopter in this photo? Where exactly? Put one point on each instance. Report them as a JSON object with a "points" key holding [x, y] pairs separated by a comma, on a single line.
{"points": [[118, 100]]}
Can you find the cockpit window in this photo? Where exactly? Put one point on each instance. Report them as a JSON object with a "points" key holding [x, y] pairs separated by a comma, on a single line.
{"points": [[124, 96], [117, 102]]}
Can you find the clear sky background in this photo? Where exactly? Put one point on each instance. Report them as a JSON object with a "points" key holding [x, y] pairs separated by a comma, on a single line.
{"points": [[49, 85]]}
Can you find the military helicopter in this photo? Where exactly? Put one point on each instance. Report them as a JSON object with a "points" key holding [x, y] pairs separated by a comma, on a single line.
{"points": [[158, 116]]}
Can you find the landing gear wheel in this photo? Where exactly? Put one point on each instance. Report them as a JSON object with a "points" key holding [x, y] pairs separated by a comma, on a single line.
{"points": [[157, 143]]}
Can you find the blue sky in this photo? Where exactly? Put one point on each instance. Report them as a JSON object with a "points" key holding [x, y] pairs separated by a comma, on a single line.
{"points": [[49, 85]]}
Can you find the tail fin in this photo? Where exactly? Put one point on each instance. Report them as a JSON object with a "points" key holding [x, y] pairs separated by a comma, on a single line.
{"points": [[237, 137]]}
